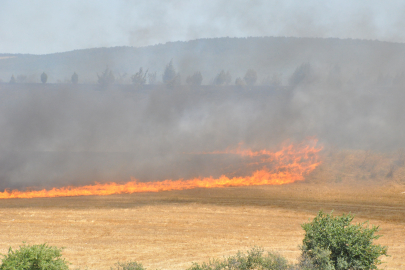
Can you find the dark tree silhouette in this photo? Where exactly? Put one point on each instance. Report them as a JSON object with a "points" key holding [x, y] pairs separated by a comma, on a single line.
{"points": [[44, 77], [106, 78], [302, 74], [139, 78], [12, 80], [250, 77], [169, 74], [240, 82], [194, 79], [152, 78], [75, 78], [222, 78], [170, 77]]}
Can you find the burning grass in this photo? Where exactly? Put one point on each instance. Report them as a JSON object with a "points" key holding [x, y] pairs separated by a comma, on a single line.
{"points": [[172, 229], [288, 165]]}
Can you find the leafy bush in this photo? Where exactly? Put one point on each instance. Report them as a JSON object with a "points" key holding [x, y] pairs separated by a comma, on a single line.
{"points": [[254, 259], [333, 243], [128, 266], [36, 257]]}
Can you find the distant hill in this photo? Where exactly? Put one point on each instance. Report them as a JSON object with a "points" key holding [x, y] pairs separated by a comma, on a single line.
{"points": [[267, 55]]}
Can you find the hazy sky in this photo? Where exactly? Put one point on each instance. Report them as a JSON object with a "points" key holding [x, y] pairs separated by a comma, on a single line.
{"points": [[47, 26]]}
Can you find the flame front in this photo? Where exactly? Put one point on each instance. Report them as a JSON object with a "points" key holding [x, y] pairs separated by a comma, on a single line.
{"points": [[290, 164]]}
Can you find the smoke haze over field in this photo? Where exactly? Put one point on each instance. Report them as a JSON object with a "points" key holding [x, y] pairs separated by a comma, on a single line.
{"points": [[59, 135], [319, 83], [64, 136]]}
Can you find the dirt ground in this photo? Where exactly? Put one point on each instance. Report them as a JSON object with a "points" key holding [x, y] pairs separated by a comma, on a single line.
{"points": [[170, 230]]}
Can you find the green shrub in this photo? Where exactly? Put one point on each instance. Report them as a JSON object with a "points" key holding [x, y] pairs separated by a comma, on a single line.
{"points": [[254, 259], [36, 257], [333, 243], [316, 259], [128, 266]]}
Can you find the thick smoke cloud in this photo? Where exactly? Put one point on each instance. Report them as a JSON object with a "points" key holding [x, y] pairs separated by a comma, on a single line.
{"points": [[56, 136], [346, 93], [47, 26], [60, 135]]}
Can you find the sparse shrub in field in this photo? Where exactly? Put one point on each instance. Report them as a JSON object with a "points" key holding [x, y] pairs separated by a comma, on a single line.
{"points": [[254, 259], [36, 257], [128, 266], [333, 243]]}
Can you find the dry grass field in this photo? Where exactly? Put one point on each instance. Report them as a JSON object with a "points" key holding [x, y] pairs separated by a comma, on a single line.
{"points": [[170, 230]]}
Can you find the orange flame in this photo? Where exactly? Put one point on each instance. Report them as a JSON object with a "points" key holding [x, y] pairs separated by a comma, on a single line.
{"points": [[290, 164]]}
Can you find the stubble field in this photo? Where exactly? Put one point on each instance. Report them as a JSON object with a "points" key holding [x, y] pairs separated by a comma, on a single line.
{"points": [[170, 230]]}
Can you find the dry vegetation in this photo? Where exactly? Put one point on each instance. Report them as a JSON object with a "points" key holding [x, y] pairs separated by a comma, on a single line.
{"points": [[169, 230]]}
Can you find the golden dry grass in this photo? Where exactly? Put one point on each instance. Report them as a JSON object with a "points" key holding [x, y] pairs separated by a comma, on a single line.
{"points": [[169, 230]]}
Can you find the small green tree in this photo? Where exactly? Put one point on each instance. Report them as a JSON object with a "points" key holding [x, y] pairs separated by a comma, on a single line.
{"points": [[75, 78], [333, 243], [44, 77], [36, 257]]}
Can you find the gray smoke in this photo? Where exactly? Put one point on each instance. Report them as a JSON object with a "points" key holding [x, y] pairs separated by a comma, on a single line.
{"points": [[61, 135], [347, 93]]}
